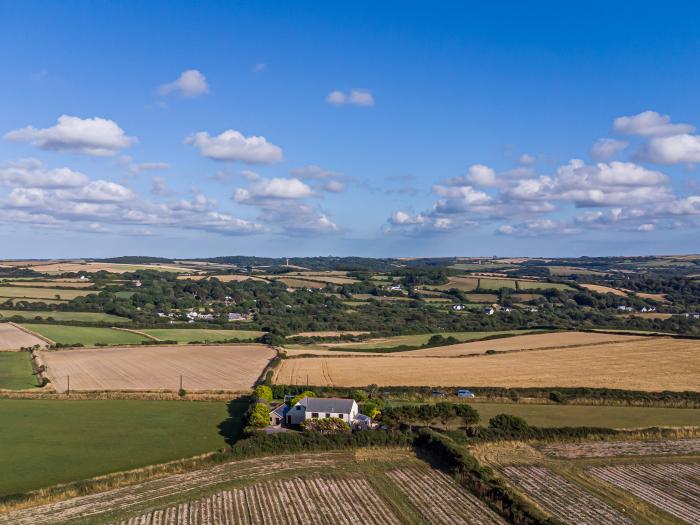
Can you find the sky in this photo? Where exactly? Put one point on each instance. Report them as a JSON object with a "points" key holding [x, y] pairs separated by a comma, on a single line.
{"points": [[383, 129]]}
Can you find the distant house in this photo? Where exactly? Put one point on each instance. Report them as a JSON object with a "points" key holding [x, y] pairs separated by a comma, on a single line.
{"points": [[625, 308], [693, 315], [504, 309], [489, 310], [192, 315], [321, 408], [235, 317], [277, 414], [646, 309], [532, 309], [458, 307], [395, 288]]}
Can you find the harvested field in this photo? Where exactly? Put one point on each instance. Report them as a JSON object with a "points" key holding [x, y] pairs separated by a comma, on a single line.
{"points": [[504, 344], [651, 364], [541, 285], [605, 449], [466, 284], [300, 283], [13, 338], [440, 500], [66, 267], [225, 367], [53, 284], [659, 297], [673, 487], [223, 278], [26, 292], [563, 499], [604, 289], [149, 492], [298, 500]]}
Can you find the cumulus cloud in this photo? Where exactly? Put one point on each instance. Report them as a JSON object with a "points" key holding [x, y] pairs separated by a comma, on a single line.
{"points": [[604, 149], [356, 97], [232, 145], [536, 228], [403, 222], [649, 124], [676, 149], [32, 173], [92, 136], [334, 186], [277, 188], [191, 83]]}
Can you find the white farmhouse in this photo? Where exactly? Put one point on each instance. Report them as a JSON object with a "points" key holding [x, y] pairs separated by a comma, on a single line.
{"points": [[488, 310], [321, 408]]}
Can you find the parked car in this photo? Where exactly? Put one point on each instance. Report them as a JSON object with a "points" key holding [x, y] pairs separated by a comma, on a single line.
{"points": [[437, 393], [463, 392]]}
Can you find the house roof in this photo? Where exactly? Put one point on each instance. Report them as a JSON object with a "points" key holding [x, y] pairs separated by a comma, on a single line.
{"points": [[328, 404], [280, 410]]}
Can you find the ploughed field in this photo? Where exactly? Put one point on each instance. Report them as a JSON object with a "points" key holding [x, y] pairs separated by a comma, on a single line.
{"points": [[649, 363], [13, 338], [225, 367]]}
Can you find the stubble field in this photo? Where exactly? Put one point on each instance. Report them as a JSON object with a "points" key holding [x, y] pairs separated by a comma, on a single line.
{"points": [[12, 338], [225, 367], [650, 364]]}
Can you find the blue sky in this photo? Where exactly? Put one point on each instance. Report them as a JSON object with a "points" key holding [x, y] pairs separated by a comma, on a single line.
{"points": [[367, 128]]}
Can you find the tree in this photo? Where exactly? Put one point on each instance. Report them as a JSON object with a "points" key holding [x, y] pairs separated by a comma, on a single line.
{"points": [[299, 397], [259, 416], [509, 425], [263, 392]]}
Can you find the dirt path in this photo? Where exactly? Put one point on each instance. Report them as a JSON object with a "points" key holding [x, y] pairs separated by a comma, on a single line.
{"points": [[150, 492]]}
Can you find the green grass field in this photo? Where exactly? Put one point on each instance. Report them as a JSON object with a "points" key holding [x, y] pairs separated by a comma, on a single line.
{"points": [[496, 284], [187, 335], [84, 335], [48, 442], [41, 293], [16, 371], [535, 285], [66, 316], [595, 416]]}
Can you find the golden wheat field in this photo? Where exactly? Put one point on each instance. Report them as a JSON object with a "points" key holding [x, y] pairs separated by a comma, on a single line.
{"points": [[604, 289], [504, 344], [650, 364]]}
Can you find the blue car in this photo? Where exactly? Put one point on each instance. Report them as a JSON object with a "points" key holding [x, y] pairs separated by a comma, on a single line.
{"points": [[465, 393]]}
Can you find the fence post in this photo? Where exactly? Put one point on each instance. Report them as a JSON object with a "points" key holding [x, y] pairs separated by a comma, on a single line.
{"points": [[68, 391]]}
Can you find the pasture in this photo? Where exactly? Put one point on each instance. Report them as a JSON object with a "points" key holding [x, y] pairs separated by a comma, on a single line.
{"points": [[49, 442], [26, 292], [12, 338], [16, 371], [189, 335], [91, 317], [650, 364], [87, 336], [222, 367], [53, 284]]}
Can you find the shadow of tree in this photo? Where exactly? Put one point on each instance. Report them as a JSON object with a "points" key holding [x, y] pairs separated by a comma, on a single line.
{"points": [[231, 428]]}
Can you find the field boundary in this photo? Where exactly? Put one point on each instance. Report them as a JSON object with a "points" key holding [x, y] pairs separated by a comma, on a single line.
{"points": [[31, 332], [136, 332]]}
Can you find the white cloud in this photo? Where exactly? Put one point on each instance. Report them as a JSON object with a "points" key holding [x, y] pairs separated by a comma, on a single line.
{"points": [[403, 222], [334, 186], [232, 145], [649, 124], [482, 176], [536, 228], [526, 159], [676, 149], [262, 189], [356, 97], [191, 83], [92, 136], [32, 173], [604, 149], [312, 171]]}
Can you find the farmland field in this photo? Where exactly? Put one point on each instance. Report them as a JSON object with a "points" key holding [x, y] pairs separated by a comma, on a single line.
{"points": [[673, 487], [84, 335], [49, 442], [65, 267], [564, 499], [65, 316], [604, 449], [188, 335], [517, 342], [326, 500], [604, 289], [300, 283], [440, 500], [542, 285], [22, 292], [651, 364], [222, 367], [53, 284], [12, 338], [16, 371]]}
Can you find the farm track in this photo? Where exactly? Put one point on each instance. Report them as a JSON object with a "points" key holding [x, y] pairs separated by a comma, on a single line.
{"points": [[150, 492], [440, 500], [672, 487], [309, 500], [603, 449], [562, 498]]}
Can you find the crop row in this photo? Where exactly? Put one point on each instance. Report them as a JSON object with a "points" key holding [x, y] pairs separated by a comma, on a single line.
{"points": [[602, 449], [440, 500], [673, 487], [151, 491], [302, 501], [565, 500]]}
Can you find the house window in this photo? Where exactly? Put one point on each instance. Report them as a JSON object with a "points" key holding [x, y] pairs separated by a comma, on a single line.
{"points": [[298, 407], [314, 415], [328, 415], [340, 416]]}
